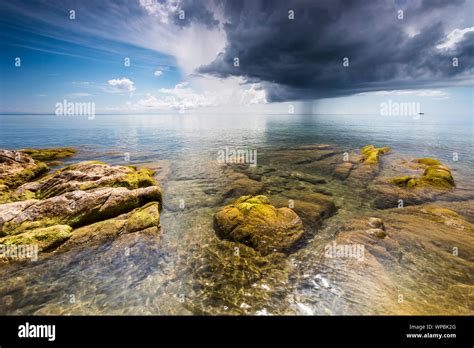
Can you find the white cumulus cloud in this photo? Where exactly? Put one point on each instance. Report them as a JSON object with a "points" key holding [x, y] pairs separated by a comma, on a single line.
{"points": [[121, 85], [158, 73]]}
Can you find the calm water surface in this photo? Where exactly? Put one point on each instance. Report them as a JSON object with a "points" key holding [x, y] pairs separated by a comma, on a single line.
{"points": [[151, 137]]}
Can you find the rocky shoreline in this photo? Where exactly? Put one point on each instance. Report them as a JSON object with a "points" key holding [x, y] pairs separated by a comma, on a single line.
{"points": [[75, 206], [414, 221]]}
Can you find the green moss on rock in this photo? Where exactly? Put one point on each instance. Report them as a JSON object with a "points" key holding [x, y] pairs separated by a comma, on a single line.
{"points": [[144, 217], [90, 207], [50, 154], [435, 175], [371, 154], [138, 178], [46, 238], [246, 203], [401, 180], [253, 221], [28, 174], [427, 161]]}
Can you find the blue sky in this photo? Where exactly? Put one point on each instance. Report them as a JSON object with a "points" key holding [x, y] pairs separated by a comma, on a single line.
{"points": [[53, 69], [82, 60]]}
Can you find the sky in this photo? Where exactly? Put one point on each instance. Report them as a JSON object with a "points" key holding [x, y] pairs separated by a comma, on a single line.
{"points": [[160, 56]]}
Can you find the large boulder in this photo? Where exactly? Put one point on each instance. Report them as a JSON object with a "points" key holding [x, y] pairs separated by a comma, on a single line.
{"points": [[253, 221]]}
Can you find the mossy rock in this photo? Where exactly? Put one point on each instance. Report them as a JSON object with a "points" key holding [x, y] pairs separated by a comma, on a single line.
{"points": [[253, 221], [77, 208], [138, 178], [144, 217], [46, 238], [439, 172], [371, 154], [427, 161], [4, 193], [435, 176], [50, 154], [90, 175], [25, 175], [441, 211], [401, 180]]}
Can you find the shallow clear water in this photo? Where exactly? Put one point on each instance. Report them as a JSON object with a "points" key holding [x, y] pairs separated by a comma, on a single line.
{"points": [[190, 271]]}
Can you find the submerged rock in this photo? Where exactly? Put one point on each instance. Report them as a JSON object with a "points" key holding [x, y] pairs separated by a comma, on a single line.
{"points": [[425, 253], [376, 223], [234, 277], [377, 232], [434, 181], [311, 207], [343, 170], [310, 178], [363, 167], [253, 221], [243, 186], [435, 175], [50, 154], [427, 161]]}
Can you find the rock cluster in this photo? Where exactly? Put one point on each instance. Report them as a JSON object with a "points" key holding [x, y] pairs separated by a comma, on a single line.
{"points": [[80, 204]]}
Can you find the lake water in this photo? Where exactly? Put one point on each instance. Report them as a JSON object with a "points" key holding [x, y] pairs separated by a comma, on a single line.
{"points": [[189, 272]]}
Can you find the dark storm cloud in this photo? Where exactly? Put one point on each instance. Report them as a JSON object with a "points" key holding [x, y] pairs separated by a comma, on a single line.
{"points": [[199, 11], [302, 58]]}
